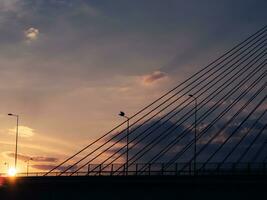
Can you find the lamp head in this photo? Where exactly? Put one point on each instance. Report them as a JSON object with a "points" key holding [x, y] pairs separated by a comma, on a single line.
{"points": [[10, 114], [190, 95], [122, 114]]}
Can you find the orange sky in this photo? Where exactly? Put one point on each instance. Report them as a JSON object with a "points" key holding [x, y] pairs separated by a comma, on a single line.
{"points": [[67, 68]]}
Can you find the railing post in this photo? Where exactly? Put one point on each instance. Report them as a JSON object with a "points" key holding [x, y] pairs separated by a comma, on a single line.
{"points": [[190, 169], [136, 168], [233, 168], [88, 171], [100, 168], [176, 169], [162, 168], [111, 171], [219, 168], [195, 169], [149, 168]]}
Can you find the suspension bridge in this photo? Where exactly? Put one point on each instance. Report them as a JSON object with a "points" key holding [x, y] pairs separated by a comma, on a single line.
{"points": [[211, 124]]}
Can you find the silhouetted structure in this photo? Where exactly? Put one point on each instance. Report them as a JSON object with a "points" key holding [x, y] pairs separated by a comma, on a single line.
{"points": [[231, 94]]}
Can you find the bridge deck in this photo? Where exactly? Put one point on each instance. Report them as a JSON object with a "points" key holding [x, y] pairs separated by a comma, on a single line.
{"points": [[135, 187]]}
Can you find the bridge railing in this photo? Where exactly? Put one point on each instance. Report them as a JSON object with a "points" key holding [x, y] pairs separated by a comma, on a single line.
{"points": [[159, 169]]}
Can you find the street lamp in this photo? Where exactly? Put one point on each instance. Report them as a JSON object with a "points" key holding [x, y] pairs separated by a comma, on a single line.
{"points": [[122, 114], [28, 163], [195, 147], [17, 132]]}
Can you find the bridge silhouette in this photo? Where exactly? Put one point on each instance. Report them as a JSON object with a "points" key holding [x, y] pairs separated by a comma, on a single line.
{"points": [[214, 122], [205, 138]]}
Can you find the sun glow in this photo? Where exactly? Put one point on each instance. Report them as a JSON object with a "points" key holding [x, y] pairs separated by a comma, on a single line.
{"points": [[12, 171]]}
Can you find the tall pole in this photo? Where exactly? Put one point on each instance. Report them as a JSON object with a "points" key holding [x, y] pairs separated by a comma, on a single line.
{"points": [[127, 140], [195, 162], [28, 164], [17, 133], [28, 167], [195, 136], [127, 147]]}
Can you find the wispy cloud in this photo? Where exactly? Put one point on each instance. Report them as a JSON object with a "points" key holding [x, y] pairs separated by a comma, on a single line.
{"points": [[9, 5], [154, 77], [33, 158], [24, 131], [47, 167]]}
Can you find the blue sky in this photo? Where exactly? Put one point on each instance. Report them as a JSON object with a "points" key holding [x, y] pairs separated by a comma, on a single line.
{"points": [[68, 67]]}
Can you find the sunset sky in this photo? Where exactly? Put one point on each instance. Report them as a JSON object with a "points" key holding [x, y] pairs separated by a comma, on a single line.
{"points": [[67, 67]]}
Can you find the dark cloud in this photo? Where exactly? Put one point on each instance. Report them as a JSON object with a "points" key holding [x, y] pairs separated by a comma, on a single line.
{"points": [[47, 167], [189, 136], [42, 162], [34, 158], [44, 159]]}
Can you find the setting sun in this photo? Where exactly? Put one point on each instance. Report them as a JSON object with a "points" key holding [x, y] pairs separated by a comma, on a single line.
{"points": [[12, 171]]}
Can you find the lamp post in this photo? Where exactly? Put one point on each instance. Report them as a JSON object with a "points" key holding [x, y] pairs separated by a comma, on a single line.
{"points": [[17, 132], [122, 114], [28, 163], [195, 146]]}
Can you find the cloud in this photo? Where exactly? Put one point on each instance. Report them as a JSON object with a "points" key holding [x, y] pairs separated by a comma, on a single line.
{"points": [[34, 158], [8, 5], [31, 34], [86, 10], [158, 131], [155, 77], [44, 159], [47, 167], [24, 131]]}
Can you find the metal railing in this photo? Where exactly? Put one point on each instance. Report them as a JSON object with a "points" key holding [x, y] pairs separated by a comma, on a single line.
{"points": [[159, 169]]}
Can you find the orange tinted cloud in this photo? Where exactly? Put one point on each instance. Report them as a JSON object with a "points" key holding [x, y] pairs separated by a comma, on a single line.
{"points": [[31, 33], [34, 158], [154, 77], [24, 131], [46, 167]]}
